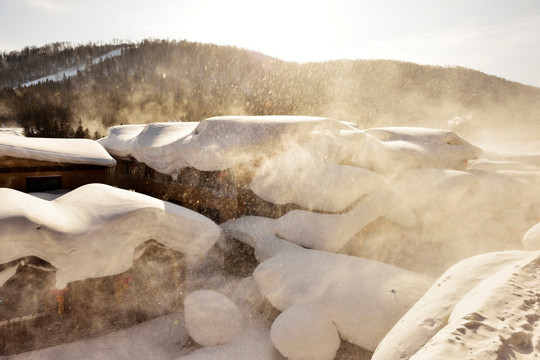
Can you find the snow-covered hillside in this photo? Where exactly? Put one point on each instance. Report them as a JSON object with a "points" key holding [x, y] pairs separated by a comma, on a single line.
{"points": [[406, 243], [72, 71]]}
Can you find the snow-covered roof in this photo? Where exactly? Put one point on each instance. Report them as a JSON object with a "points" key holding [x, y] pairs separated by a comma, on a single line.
{"points": [[391, 149], [93, 230], [72, 151], [213, 144], [219, 143], [295, 155]]}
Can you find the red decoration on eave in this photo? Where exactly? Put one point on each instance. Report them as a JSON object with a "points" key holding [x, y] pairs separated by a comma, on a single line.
{"points": [[124, 280]]}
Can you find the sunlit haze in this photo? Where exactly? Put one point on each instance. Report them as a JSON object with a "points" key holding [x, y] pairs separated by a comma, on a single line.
{"points": [[496, 37]]}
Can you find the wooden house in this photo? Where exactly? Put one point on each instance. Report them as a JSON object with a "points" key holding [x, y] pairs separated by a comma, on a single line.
{"points": [[38, 165], [34, 315]]}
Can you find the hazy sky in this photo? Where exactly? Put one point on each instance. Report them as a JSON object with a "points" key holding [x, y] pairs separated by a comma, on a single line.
{"points": [[498, 37]]}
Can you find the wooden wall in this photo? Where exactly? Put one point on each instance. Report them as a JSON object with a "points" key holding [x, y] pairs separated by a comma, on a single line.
{"points": [[16, 173]]}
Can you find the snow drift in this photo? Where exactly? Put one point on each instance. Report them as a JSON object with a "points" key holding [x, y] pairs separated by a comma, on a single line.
{"points": [[485, 307]]}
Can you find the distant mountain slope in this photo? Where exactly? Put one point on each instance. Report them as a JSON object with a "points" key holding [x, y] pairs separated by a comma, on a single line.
{"points": [[72, 71], [158, 80]]}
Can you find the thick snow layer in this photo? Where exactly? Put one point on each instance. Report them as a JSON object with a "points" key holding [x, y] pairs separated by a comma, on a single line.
{"points": [[387, 150], [430, 147], [363, 298], [427, 188], [330, 232], [213, 144], [531, 239], [295, 176], [73, 151], [212, 318], [327, 232], [485, 307], [295, 155], [259, 233], [119, 140], [155, 142], [222, 142], [304, 332], [93, 230]]}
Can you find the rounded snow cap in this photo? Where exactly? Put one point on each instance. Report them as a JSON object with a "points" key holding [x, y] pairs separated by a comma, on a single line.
{"points": [[211, 318], [304, 332]]}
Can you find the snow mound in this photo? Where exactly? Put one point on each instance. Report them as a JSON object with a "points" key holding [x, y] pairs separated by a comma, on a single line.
{"points": [[430, 148], [212, 318], [93, 230], [531, 239], [73, 151], [259, 233], [305, 332], [362, 297], [485, 307], [295, 176], [319, 231], [119, 139], [330, 232], [392, 149]]}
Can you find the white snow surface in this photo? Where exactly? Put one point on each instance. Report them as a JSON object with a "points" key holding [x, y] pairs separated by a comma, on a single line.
{"points": [[160, 338], [259, 233], [330, 232], [93, 230], [531, 239], [213, 144], [212, 318], [433, 188], [303, 332], [363, 298], [291, 157], [392, 149], [293, 178], [485, 307], [326, 232], [73, 151]]}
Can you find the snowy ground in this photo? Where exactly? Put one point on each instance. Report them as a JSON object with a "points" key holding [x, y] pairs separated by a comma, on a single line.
{"points": [[419, 246]]}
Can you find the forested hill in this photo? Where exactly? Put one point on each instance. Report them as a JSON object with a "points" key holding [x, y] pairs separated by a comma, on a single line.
{"points": [[158, 80]]}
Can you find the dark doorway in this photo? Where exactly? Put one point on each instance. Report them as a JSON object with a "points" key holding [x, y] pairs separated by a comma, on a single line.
{"points": [[43, 183]]}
